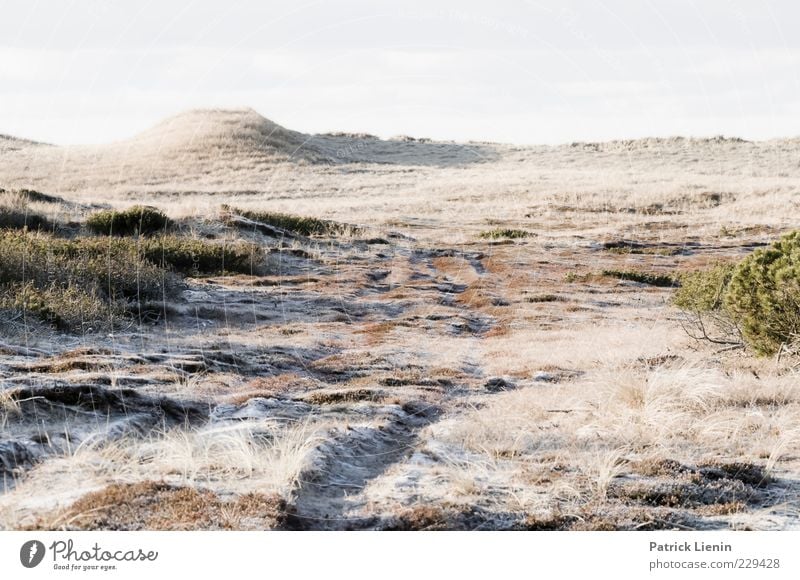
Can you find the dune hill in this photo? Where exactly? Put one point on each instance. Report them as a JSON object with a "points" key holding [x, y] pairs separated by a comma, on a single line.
{"points": [[200, 148], [218, 154], [217, 131]]}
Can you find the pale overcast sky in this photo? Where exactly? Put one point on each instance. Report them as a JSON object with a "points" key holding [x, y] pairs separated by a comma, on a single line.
{"points": [[523, 71]]}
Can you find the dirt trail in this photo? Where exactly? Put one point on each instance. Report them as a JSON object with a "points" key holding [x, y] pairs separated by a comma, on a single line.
{"points": [[330, 491], [330, 496]]}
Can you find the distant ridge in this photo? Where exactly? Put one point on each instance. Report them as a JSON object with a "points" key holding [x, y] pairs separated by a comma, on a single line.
{"points": [[653, 142], [239, 150], [237, 130], [9, 143]]}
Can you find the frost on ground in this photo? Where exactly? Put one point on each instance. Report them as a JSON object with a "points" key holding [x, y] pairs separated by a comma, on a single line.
{"points": [[453, 359]]}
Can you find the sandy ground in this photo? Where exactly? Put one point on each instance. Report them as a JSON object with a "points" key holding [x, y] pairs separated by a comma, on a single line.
{"points": [[413, 374]]}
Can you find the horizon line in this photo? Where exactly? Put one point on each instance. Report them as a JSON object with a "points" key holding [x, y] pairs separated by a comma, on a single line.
{"points": [[367, 135]]}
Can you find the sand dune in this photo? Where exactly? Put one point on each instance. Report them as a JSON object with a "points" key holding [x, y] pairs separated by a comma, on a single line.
{"points": [[238, 131], [198, 150], [219, 154]]}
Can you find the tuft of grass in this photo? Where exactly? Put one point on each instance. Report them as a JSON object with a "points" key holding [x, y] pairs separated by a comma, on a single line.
{"points": [[505, 233], [649, 278], [136, 220], [608, 466], [303, 225], [9, 406]]}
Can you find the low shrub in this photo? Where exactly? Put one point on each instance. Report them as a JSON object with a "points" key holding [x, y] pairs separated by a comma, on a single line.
{"points": [[702, 296], [110, 267], [305, 226], [763, 295], [757, 300], [136, 220], [649, 278], [504, 233], [194, 257], [69, 308], [74, 283], [19, 219], [545, 298], [704, 291], [572, 277]]}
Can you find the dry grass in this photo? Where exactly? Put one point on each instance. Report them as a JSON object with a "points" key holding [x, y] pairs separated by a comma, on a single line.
{"points": [[586, 434], [274, 459], [497, 431], [9, 406], [238, 459]]}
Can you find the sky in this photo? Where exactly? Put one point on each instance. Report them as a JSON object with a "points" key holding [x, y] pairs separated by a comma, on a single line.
{"points": [[517, 71]]}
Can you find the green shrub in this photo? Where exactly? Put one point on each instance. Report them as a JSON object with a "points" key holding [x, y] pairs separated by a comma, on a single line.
{"points": [[764, 295], [136, 220], [69, 308], [545, 298], [19, 218], [110, 267], [305, 226], [702, 296], [68, 281], [80, 282], [193, 257], [704, 291], [649, 278], [506, 233], [756, 301]]}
